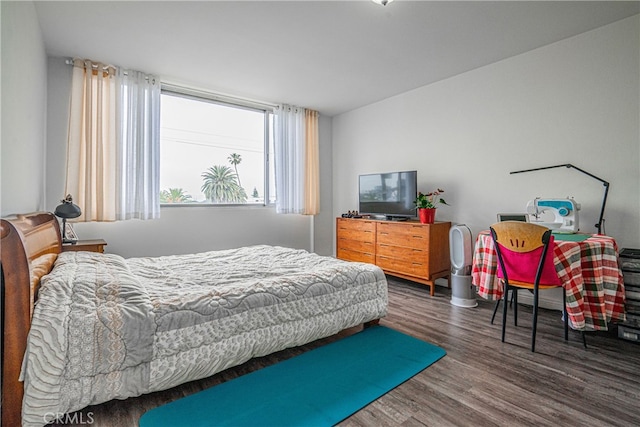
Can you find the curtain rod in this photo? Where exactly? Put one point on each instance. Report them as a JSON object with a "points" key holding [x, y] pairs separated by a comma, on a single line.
{"points": [[214, 96], [69, 61], [95, 67], [203, 93]]}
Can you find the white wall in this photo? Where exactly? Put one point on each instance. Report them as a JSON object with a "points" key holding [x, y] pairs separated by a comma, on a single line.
{"points": [[23, 94], [199, 229], [186, 229], [575, 101], [324, 222], [59, 90]]}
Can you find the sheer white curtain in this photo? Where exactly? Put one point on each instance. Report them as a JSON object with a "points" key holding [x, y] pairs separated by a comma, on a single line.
{"points": [[289, 151], [138, 146], [297, 165], [113, 143], [91, 145]]}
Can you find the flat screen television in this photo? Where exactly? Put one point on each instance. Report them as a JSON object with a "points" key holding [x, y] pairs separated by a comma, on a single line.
{"points": [[388, 195]]}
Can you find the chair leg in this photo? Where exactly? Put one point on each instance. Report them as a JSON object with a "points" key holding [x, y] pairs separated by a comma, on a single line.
{"points": [[495, 310], [565, 315], [535, 320], [514, 299], [504, 311]]}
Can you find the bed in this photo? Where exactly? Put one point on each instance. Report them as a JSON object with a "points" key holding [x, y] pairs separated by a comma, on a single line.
{"points": [[95, 327]]}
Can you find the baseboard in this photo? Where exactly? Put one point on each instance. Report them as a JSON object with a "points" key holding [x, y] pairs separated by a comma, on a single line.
{"points": [[549, 298]]}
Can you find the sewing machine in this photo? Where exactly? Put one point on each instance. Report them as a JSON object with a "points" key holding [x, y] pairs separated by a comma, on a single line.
{"points": [[564, 211]]}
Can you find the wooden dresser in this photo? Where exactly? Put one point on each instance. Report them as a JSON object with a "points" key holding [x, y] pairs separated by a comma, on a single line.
{"points": [[406, 249]]}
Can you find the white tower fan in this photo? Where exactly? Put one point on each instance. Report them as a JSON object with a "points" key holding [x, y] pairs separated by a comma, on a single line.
{"points": [[463, 293]]}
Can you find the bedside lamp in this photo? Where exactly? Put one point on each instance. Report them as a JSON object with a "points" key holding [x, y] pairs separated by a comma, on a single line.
{"points": [[67, 209]]}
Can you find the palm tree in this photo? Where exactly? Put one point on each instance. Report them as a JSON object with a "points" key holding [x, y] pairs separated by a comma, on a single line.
{"points": [[221, 186], [175, 195], [235, 160]]}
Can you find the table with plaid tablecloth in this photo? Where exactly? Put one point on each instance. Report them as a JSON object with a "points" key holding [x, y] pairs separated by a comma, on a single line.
{"points": [[589, 272]]}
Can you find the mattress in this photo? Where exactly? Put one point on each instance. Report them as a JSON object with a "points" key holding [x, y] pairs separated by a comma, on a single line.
{"points": [[105, 327]]}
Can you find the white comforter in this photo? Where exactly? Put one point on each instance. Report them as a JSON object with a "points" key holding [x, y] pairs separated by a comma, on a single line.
{"points": [[106, 327]]}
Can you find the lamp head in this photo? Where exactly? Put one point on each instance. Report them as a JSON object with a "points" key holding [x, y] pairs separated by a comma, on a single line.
{"points": [[67, 209]]}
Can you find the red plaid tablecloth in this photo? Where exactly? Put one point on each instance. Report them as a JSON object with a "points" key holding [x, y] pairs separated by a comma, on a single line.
{"points": [[589, 272]]}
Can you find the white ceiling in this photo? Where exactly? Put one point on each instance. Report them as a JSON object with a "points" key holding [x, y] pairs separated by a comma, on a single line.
{"points": [[332, 56]]}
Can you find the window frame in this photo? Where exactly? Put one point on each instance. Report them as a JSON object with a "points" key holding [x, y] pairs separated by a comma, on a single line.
{"points": [[233, 102]]}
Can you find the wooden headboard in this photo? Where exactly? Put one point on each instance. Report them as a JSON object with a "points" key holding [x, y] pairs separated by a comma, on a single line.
{"points": [[29, 245]]}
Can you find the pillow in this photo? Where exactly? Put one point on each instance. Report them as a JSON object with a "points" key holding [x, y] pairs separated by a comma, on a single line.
{"points": [[38, 268]]}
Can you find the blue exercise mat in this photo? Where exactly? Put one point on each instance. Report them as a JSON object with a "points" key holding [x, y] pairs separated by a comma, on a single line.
{"points": [[318, 388]]}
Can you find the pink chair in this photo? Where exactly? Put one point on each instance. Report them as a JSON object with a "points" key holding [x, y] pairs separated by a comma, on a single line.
{"points": [[524, 262]]}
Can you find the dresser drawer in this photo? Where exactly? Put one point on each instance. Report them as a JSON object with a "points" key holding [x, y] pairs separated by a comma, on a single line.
{"points": [[356, 245], [407, 267], [351, 255], [402, 252], [412, 236], [359, 235], [356, 224], [364, 231]]}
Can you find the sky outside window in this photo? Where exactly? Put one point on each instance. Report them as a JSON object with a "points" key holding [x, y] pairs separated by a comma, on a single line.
{"points": [[196, 135]]}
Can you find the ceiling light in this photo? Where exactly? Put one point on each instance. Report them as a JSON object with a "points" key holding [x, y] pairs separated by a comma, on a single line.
{"points": [[382, 2]]}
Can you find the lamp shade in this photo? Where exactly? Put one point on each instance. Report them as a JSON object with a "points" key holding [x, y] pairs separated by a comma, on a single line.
{"points": [[67, 209]]}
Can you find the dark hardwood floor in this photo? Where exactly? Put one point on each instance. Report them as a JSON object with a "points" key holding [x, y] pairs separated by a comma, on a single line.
{"points": [[480, 382]]}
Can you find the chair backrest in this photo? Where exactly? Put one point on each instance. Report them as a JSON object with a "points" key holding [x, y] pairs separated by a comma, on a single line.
{"points": [[523, 252]]}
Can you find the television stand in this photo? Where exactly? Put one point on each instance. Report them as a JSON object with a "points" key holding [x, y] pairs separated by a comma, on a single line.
{"points": [[407, 249]]}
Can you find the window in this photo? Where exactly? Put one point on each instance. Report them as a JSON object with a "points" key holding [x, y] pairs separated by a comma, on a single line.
{"points": [[214, 152]]}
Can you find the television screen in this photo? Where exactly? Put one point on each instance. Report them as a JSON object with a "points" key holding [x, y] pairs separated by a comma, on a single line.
{"points": [[390, 195]]}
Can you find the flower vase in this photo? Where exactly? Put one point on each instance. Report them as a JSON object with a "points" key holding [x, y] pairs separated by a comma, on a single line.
{"points": [[427, 215]]}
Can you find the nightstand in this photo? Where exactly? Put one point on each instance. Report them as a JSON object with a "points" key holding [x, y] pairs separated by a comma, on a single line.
{"points": [[95, 245]]}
